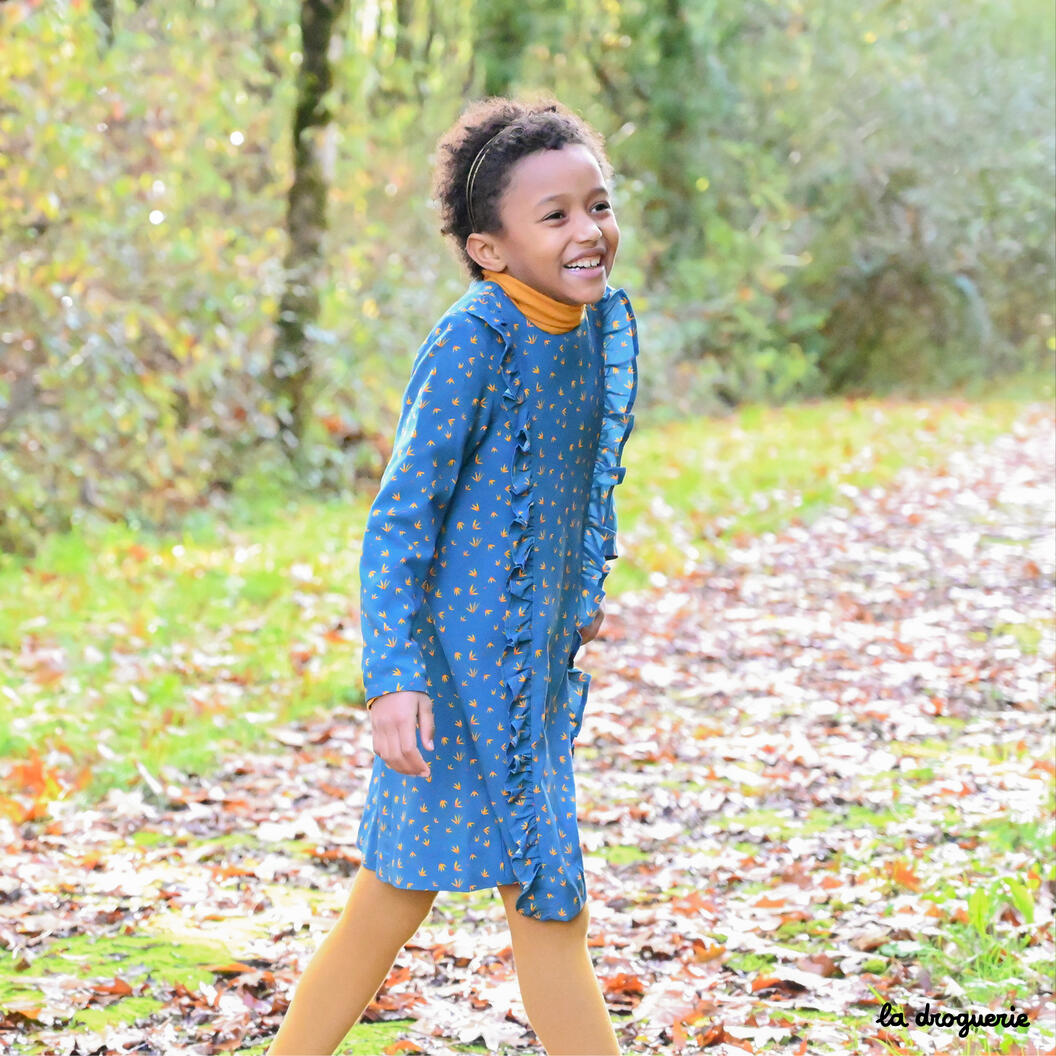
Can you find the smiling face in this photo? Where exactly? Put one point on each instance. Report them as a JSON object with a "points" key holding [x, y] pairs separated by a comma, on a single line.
{"points": [[559, 232]]}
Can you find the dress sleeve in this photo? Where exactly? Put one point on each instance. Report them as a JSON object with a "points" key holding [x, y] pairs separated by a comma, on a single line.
{"points": [[443, 418], [620, 353]]}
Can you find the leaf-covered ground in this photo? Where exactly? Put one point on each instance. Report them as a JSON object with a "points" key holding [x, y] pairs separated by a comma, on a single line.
{"points": [[123, 650], [812, 780]]}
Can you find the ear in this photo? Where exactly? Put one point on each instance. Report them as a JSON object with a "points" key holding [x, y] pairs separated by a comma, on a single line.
{"points": [[482, 249]]}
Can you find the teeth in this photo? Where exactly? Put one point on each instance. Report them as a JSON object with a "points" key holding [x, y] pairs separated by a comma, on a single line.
{"points": [[590, 262]]}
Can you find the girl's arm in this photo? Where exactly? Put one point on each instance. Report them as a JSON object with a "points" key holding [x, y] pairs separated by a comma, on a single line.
{"points": [[443, 417]]}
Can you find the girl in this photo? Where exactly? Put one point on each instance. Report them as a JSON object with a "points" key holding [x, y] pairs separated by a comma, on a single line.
{"points": [[482, 574]]}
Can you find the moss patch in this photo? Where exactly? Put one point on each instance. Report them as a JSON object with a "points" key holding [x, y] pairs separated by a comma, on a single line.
{"points": [[623, 854], [367, 1039], [129, 956], [1027, 636], [128, 1010]]}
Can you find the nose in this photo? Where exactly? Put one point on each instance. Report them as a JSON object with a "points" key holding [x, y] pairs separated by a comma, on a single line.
{"points": [[588, 229]]}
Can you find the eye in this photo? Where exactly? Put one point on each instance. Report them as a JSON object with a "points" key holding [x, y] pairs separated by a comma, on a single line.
{"points": [[554, 216], [603, 205]]}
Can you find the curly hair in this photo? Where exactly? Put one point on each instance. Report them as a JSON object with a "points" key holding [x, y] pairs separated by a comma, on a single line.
{"points": [[528, 127]]}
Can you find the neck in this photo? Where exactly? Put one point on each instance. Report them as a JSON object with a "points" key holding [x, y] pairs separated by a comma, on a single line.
{"points": [[555, 317]]}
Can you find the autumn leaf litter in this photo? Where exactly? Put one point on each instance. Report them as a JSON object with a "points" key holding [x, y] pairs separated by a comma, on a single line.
{"points": [[786, 760]]}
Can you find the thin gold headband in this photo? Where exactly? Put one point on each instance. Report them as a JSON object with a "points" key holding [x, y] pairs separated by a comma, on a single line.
{"points": [[471, 176]]}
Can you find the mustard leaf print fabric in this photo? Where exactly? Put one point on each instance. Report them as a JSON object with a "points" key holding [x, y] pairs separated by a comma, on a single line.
{"points": [[485, 551]]}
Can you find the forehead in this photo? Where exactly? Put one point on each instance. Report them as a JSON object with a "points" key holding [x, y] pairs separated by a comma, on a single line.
{"points": [[571, 169]]}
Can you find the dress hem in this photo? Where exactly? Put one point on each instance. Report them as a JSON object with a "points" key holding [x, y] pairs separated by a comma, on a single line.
{"points": [[480, 883]]}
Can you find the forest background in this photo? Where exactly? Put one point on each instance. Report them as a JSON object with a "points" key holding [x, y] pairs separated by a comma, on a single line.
{"points": [[815, 198], [826, 668]]}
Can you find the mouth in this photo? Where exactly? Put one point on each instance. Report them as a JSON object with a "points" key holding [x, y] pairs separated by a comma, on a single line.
{"points": [[586, 267]]}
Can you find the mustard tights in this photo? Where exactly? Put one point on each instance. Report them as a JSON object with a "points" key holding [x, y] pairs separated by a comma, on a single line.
{"points": [[558, 986]]}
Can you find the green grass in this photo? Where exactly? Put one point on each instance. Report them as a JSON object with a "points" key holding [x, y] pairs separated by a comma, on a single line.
{"points": [[140, 960], [367, 1039], [780, 825], [984, 957], [173, 650], [1027, 636], [623, 854]]}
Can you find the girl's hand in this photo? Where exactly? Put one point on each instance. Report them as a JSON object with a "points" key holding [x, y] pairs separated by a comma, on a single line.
{"points": [[394, 717], [590, 632]]}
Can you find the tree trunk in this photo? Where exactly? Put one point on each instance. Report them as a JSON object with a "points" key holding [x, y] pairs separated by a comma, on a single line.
{"points": [[503, 28], [400, 57], [104, 10], [667, 98], [291, 366], [675, 217], [404, 22]]}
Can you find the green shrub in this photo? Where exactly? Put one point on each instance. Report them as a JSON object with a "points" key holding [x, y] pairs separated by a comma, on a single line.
{"points": [[813, 198]]}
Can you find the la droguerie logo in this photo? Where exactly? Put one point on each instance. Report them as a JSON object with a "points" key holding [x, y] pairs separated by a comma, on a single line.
{"points": [[964, 1021]]}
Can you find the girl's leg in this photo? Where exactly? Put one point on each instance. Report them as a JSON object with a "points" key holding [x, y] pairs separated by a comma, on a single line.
{"points": [[350, 965], [558, 986]]}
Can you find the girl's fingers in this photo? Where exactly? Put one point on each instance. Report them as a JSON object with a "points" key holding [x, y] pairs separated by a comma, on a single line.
{"points": [[387, 745], [409, 754], [590, 632], [395, 723], [425, 721], [381, 745]]}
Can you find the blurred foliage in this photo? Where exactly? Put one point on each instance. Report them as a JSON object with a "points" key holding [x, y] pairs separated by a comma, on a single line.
{"points": [[813, 199]]}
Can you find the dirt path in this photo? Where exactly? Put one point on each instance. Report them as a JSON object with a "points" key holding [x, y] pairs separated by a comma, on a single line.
{"points": [[794, 772]]}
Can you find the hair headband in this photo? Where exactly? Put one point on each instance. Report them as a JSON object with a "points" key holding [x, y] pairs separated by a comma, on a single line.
{"points": [[471, 176]]}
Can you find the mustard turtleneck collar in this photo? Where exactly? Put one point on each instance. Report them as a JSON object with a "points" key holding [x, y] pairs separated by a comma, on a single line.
{"points": [[555, 317]]}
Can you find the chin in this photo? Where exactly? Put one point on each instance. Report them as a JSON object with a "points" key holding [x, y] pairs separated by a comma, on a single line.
{"points": [[589, 297], [585, 293]]}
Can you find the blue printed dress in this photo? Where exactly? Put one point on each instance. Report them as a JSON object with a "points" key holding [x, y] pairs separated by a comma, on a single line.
{"points": [[485, 551]]}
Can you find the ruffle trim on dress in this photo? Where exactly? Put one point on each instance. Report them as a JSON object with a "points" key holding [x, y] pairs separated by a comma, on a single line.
{"points": [[619, 335], [519, 784], [517, 653], [616, 321]]}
